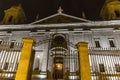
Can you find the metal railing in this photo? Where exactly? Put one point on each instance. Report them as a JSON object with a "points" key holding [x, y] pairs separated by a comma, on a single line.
{"points": [[105, 63], [9, 57], [70, 65]]}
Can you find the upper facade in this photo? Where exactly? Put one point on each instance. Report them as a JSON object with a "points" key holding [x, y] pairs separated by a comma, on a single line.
{"points": [[24, 14], [60, 18]]}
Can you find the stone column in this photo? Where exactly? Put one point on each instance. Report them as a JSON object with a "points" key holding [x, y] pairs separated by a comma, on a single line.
{"points": [[84, 63], [23, 71]]}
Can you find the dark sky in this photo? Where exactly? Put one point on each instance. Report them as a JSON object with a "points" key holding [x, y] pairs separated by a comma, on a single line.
{"points": [[49, 7]]}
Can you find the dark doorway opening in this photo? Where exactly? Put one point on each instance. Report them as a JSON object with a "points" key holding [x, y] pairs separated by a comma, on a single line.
{"points": [[58, 68]]}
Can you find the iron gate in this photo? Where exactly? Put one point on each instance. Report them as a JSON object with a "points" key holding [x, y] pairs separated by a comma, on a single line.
{"points": [[70, 67]]}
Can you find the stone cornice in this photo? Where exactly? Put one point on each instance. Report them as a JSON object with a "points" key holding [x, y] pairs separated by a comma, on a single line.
{"points": [[91, 25]]}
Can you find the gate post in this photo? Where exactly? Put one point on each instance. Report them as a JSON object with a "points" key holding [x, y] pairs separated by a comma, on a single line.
{"points": [[84, 66], [25, 60]]}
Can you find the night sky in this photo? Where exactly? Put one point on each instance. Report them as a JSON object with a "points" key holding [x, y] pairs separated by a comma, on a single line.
{"points": [[49, 7]]}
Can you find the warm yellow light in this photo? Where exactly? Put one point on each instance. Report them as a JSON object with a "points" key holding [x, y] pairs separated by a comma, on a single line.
{"points": [[59, 66]]}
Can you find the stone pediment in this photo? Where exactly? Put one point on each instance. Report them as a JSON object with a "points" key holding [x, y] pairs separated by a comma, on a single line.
{"points": [[60, 18]]}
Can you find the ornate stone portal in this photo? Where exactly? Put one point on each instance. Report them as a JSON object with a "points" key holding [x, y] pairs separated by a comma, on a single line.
{"points": [[58, 50]]}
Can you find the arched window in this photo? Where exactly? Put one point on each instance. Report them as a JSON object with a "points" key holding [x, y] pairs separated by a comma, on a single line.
{"points": [[10, 19], [117, 13], [37, 63], [59, 41]]}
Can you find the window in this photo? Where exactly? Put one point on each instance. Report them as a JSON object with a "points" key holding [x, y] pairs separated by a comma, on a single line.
{"points": [[10, 19], [97, 44], [37, 63], [12, 45], [11, 65], [117, 67], [111, 42], [117, 13], [0, 42], [6, 66], [101, 67]]}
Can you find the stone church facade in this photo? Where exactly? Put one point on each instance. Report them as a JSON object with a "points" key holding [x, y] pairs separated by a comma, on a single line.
{"points": [[61, 47], [56, 54]]}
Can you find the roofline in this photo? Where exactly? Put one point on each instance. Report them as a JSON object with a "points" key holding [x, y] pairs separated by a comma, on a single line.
{"points": [[91, 25], [60, 14], [76, 17], [44, 18]]}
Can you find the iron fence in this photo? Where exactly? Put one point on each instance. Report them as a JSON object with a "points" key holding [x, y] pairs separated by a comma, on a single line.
{"points": [[9, 56], [105, 63]]}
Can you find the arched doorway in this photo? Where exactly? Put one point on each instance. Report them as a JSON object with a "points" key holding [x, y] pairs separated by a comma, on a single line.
{"points": [[62, 58], [58, 50]]}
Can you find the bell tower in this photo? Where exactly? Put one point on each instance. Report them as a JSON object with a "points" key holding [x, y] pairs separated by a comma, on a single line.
{"points": [[110, 10], [14, 15]]}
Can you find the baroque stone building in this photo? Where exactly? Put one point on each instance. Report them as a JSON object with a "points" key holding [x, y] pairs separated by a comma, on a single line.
{"points": [[60, 49], [60, 46]]}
